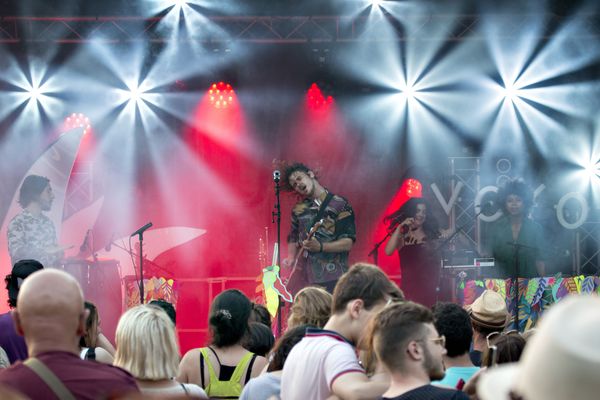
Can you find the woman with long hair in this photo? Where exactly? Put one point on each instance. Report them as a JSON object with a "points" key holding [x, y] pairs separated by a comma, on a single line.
{"points": [[89, 342], [225, 366], [413, 232]]}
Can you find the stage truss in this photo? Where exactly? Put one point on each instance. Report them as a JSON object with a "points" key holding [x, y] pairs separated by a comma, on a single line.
{"points": [[285, 29]]}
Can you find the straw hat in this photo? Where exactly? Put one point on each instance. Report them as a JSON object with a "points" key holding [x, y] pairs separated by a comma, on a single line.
{"points": [[489, 311], [562, 360]]}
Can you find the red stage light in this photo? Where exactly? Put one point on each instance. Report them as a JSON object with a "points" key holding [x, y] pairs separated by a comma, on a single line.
{"points": [[221, 95], [413, 188], [78, 120], [315, 98]]}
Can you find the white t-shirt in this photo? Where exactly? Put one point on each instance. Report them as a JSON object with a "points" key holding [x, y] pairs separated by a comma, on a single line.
{"points": [[315, 363]]}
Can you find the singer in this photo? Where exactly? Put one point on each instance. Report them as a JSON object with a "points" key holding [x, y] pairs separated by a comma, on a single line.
{"points": [[413, 234], [31, 234], [324, 256], [515, 240]]}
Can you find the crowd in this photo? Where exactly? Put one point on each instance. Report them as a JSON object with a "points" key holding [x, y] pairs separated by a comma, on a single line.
{"points": [[366, 341]]}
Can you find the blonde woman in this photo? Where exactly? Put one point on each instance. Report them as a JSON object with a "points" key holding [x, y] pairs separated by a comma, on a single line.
{"points": [[312, 306], [148, 349]]}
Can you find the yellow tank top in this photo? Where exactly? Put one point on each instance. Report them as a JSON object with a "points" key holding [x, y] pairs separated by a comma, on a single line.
{"points": [[231, 389]]}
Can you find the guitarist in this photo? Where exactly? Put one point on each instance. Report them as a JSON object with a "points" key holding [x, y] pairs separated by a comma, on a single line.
{"points": [[324, 256]]}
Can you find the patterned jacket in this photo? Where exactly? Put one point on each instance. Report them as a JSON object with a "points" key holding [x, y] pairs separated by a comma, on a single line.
{"points": [[338, 223], [29, 237]]}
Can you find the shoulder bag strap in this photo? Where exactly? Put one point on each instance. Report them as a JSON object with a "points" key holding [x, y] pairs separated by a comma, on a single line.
{"points": [[49, 378]]}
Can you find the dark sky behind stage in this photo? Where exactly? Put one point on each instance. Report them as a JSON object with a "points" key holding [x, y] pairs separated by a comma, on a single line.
{"points": [[413, 84]]}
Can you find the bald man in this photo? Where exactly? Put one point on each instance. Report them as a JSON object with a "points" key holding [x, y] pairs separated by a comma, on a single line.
{"points": [[51, 317]]}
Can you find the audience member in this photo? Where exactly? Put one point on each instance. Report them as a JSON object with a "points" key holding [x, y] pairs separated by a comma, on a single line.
{"points": [[509, 347], [560, 362], [51, 317], [324, 363], [10, 340], [488, 314], [148, 349], [166, 307], [453, 322], [260, 339], [311, 306], [267, 385], [260, 314], [224, 367], [88, 343], [410, 349]]}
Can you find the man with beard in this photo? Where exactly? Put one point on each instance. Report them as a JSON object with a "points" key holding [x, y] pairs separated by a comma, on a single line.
{"points": [[31, 234], [409, 347], [326, 251]]}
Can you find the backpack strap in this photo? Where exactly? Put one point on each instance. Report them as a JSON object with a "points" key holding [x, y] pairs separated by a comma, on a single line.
{"points": [[49, 378], [239, 369], [212, 376]]}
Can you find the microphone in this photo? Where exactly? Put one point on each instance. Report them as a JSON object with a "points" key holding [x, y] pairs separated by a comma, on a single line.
{"points": [[276, 175], [404, 229], [84, 246], [110, 242], [142, 229]]}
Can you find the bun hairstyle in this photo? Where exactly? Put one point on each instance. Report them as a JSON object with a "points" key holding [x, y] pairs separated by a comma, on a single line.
{"points": [[228, 319]]}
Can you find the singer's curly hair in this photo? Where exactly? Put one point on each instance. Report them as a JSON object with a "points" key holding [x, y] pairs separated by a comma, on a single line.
{"points": [[288, 168], [519, 188], [409, 210]]}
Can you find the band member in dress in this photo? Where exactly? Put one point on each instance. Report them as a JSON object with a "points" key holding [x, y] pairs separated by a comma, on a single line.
{"points": [[413, 234], [323, 257], [515, 240], [31, 234]]}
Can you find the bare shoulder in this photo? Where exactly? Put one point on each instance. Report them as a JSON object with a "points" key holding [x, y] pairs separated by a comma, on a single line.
{"points": [[259, 365], [189, 367]]}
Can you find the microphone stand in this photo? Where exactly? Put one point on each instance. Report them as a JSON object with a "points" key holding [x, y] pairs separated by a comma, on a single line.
{"points": [[276, 218], [141, 240], [375, 251]]}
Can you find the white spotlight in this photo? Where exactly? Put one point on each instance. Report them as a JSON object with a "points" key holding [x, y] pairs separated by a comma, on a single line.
{"points": [[510, 92], [135, 94], [409, 92], [593, 169], [376, 3], [35, 93]]}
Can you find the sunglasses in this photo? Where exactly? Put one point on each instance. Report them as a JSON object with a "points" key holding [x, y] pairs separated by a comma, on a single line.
{"points": [[495, 335], [438, 340]]}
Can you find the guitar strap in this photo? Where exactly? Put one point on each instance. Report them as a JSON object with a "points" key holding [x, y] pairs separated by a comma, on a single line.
{"points": [[321, 211]]}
